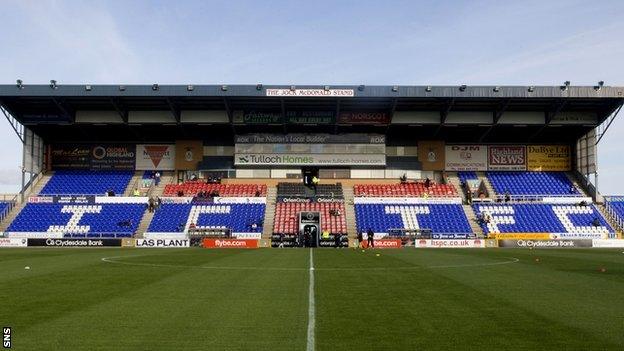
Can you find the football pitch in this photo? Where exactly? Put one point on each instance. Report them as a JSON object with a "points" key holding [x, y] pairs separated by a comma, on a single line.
{"points": [[406, 299]]}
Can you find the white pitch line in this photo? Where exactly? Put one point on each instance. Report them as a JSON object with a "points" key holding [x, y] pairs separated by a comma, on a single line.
{"points": [[311, 305], [115, 260]]}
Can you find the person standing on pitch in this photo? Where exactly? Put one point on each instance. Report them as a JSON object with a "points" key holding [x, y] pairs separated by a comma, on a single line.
{"points": [[360, 239], [371, 238]]}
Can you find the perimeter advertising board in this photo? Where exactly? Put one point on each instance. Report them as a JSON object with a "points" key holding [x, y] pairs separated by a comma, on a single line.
{"points": [[384, 244], [230, 243], [466, 157], [545, 243], [548, 158], [449, 243], [155, 157], [13, 242], [507, 158], [74, 242], [162, 243]]}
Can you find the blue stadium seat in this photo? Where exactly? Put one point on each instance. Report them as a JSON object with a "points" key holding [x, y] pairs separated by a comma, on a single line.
{"points": [[465, 175], [542, 218], [3, 207], [617, 207], [439, 218], [80, 220], [237, 217], [532, 183], [87, 182]]}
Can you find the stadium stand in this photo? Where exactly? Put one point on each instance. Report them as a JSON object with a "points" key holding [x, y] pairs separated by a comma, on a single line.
{"points": [[286, 216], [120, 220], [466, 175], [3, 207], [171, 218], [439, 218], [300, 190], [615, 208], [542, 218], [404, 190], [532, 183], [87, 182], [192, 188]]}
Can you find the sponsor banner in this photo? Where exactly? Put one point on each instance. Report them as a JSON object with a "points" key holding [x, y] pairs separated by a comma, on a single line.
{"points": [[310, 160], [384, 244], [121, 200], [95, 157], [556, 243], [113, 157], [466, 157], [364, 118], [449, 243], [13, 242], [310, 139], [230, 243], [310, 92], [257, 117], [239, 200], [71, 156], [41, 199], [156, 235], [548, 158], [155, 157], [309, 199], [176, 200], [310, 117], [127, 242], [491, 243], [33, 235], [450, 235], [406, 200], [431, 155], [522, 236], [507, 158], [162, 243], [578, 235], [77, 200], [608, 243], [188, 154], [566, 200], [74, 242], [247, 235]]}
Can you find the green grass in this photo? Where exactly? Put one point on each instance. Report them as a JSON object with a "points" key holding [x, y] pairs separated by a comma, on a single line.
{"points": [[409, 299]]}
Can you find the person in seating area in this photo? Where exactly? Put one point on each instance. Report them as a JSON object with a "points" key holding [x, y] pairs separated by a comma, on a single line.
{"points": [[136, 192], [254, 227], [572, 189], [315, 182], [427, 183], [157, 178], [125, 223], [403, 178], [507, 196], [370, 238], [596, 222], [337, 240]]}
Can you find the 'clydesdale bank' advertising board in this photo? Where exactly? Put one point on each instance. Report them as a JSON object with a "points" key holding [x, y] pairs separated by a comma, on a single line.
{"points": [[545, 243], [74, 242]]}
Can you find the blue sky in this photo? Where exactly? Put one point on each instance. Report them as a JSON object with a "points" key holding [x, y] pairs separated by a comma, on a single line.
{"points": [[314, 42]]}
